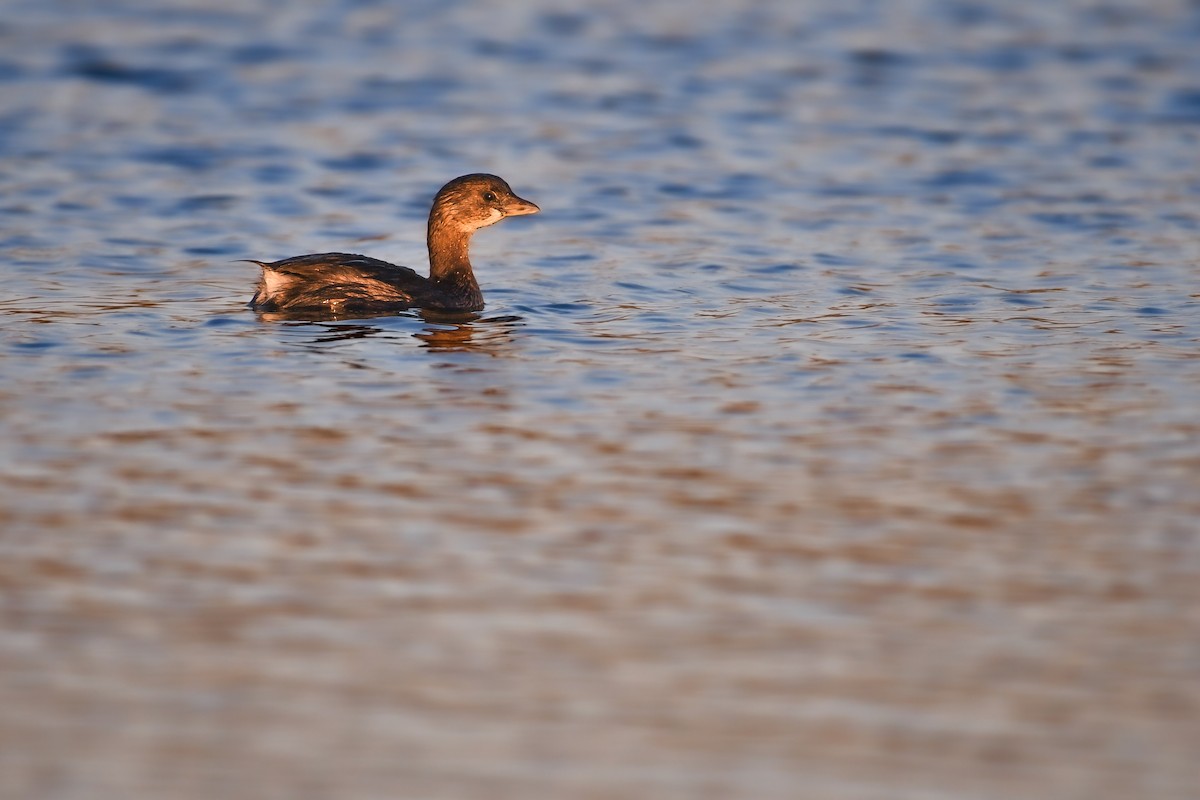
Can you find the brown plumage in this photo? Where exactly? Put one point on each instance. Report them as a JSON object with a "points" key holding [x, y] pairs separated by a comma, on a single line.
{"points": [[347, 282]]}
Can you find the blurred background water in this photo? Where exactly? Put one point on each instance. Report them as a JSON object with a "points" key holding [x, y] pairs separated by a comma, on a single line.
{"points": [[832, 432]]}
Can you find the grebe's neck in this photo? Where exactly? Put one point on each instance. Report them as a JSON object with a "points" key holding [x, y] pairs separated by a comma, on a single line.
{"points": [[448, 245], [449, 260]]}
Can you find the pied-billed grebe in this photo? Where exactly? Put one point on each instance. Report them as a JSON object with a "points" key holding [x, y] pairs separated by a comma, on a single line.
{"points": [[345, 282]]}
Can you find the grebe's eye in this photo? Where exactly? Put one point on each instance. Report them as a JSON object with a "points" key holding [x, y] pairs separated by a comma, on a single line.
{"points": [[491, 198]]}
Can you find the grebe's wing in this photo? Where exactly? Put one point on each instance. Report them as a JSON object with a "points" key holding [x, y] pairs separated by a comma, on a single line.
{"points": [[343, 279]]}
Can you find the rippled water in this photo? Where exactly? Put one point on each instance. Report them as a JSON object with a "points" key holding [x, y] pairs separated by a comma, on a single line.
{"points": [[832, 433]]}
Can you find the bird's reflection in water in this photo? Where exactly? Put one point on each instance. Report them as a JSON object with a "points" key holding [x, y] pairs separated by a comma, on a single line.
{"points": [[465, 330], [442, 331]]}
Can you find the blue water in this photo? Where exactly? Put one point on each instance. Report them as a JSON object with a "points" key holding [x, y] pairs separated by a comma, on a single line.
{"points": [[832, 432]]}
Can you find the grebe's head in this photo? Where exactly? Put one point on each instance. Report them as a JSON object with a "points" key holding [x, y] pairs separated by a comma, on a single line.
{"points": [[476, 201]]}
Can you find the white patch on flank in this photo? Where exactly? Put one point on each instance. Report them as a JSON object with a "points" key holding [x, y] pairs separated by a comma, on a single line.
{"points": [[275, 282]]}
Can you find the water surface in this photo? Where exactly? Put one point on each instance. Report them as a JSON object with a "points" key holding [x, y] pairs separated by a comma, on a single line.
{"points": [[831, 433]]}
